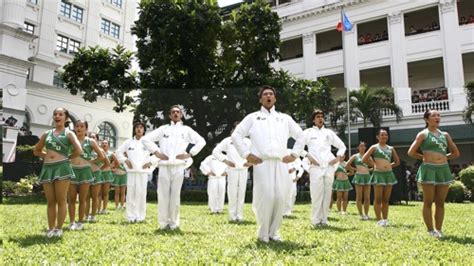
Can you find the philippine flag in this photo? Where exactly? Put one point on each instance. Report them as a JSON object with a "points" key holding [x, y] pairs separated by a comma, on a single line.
{"points": [[345, 24]]}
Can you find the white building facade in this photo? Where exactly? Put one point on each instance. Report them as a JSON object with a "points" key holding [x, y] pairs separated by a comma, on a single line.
{"points": [[37, 38], [423, 50]]}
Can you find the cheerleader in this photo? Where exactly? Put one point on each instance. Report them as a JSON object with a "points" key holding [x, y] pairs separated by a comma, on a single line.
{"points": [[83, 172], [361, 181], [434, 174], [98, 160], [107, 176], [120, 184], [341, 186], [60, 145], [383, 178]]}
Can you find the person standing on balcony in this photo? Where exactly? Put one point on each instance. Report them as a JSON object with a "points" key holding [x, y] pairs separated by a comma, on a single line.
{"points": [[269, 132], [319, 140], [361, 181], [383, 178], [138, 164], [434, 174], [83, 172], [61, 146], [237, 175], [173, 140]]}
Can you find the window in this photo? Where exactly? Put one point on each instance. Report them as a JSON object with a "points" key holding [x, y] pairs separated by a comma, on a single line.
{"points": [[328, 41], [34, 2], [110, 28], [421, 21], [57, 80], [107, 131], [71, 11], [291, 49], [372, 31], [117, 3], [67, 45], [30, 28]]}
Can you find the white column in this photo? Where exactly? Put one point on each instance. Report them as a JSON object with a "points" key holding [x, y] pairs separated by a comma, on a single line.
{"points": [[398, 62], [452, 56], [13, 13], [309, 56], [351, 59]]}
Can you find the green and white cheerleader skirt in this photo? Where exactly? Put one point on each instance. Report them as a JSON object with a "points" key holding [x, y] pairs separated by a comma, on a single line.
{"points": [[56, 171], [108, 176], [120, 180], [386, 178], [98, 177], [341, 185], [361, 179], [83, 175], [436, 174]]}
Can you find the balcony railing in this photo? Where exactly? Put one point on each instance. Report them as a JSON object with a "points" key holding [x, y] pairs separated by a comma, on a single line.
{"points": [[418, 108]]}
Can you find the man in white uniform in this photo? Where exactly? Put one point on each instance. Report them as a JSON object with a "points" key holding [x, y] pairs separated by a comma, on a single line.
{"points": [[138, 165], [173, 140], [237, 175], [323, 165], [295, 172], [269, 132], [216, 172]]}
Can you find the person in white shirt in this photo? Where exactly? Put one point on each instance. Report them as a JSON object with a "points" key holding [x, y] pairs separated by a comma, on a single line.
{"points": [[323, 165], [269, 132], [295, 172], [173, 139], [138, 165], [216, 172], [237, 175]]}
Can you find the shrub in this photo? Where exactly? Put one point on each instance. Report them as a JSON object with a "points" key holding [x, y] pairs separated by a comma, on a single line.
{"points": [[8, 188], [25, 153], [457, 192], [467, 177]]}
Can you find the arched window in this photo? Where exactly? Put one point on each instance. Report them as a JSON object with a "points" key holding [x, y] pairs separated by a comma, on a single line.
{"points": [[107, 131]]}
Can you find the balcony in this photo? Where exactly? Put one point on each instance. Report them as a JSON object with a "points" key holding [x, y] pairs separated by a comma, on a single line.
{"points": [[420, 108]]}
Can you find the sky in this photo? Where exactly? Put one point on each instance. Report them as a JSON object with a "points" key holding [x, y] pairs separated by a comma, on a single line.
{"points": [[227, 2]]}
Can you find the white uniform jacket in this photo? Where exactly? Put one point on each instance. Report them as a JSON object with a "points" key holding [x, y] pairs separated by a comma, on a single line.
{"points": [[319, 142], [138, 152], [268, 131], [232, 154], [173, 139], [212, 164]]}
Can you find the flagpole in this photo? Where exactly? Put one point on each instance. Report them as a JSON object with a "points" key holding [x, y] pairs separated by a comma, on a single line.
{"points": [[349, 148]]}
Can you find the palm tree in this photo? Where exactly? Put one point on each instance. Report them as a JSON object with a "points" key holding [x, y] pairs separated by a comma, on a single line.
{"points": [[470, 102], [368, 104]]}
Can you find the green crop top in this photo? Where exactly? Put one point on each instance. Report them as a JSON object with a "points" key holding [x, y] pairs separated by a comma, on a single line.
{"points": [[385, 154], [358, 161], [435, 143], [87, 149], [59, 143]]}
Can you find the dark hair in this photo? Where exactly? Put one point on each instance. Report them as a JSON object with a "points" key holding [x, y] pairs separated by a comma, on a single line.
{"points": [[427, 115], [82, 121], [139, 123], [175, 106], [380, 130], [95, 134], [264, 88], [66, 113], [315, 113], [362, 142]]}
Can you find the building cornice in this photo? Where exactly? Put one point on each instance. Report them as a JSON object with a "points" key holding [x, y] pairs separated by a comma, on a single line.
{"points": [[320, 10], [18, 33], [13, 61]]}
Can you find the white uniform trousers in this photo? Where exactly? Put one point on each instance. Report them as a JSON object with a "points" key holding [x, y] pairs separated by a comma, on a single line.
{"points": [[216, 193], [269, 193], [321, 181], [136, 196], [291, 198], [236, 188], [170, 180]]}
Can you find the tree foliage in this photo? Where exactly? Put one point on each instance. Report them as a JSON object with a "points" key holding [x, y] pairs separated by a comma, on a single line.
{"points": [[97, 71]]}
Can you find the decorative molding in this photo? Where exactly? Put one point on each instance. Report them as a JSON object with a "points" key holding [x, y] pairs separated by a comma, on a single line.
{"points": [[125, 125], [447, 6], [308, 38], [395, 18], [88, 117], [321, 9], [12, 89], [42, 109]]}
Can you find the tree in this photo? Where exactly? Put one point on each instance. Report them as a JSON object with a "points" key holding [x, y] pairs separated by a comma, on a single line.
{"points": [[368, 104], [470, 102], [96, 71]]}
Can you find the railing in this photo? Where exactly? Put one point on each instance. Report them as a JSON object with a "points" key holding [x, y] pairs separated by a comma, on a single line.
{"points": [[387, 113], [417, 108]]}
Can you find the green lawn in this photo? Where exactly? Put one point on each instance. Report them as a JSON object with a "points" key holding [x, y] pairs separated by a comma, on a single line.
{"points": [[206, 238]]}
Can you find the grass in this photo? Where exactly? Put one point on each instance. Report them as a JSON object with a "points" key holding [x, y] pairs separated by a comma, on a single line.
{"points": [[206, 238]]}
